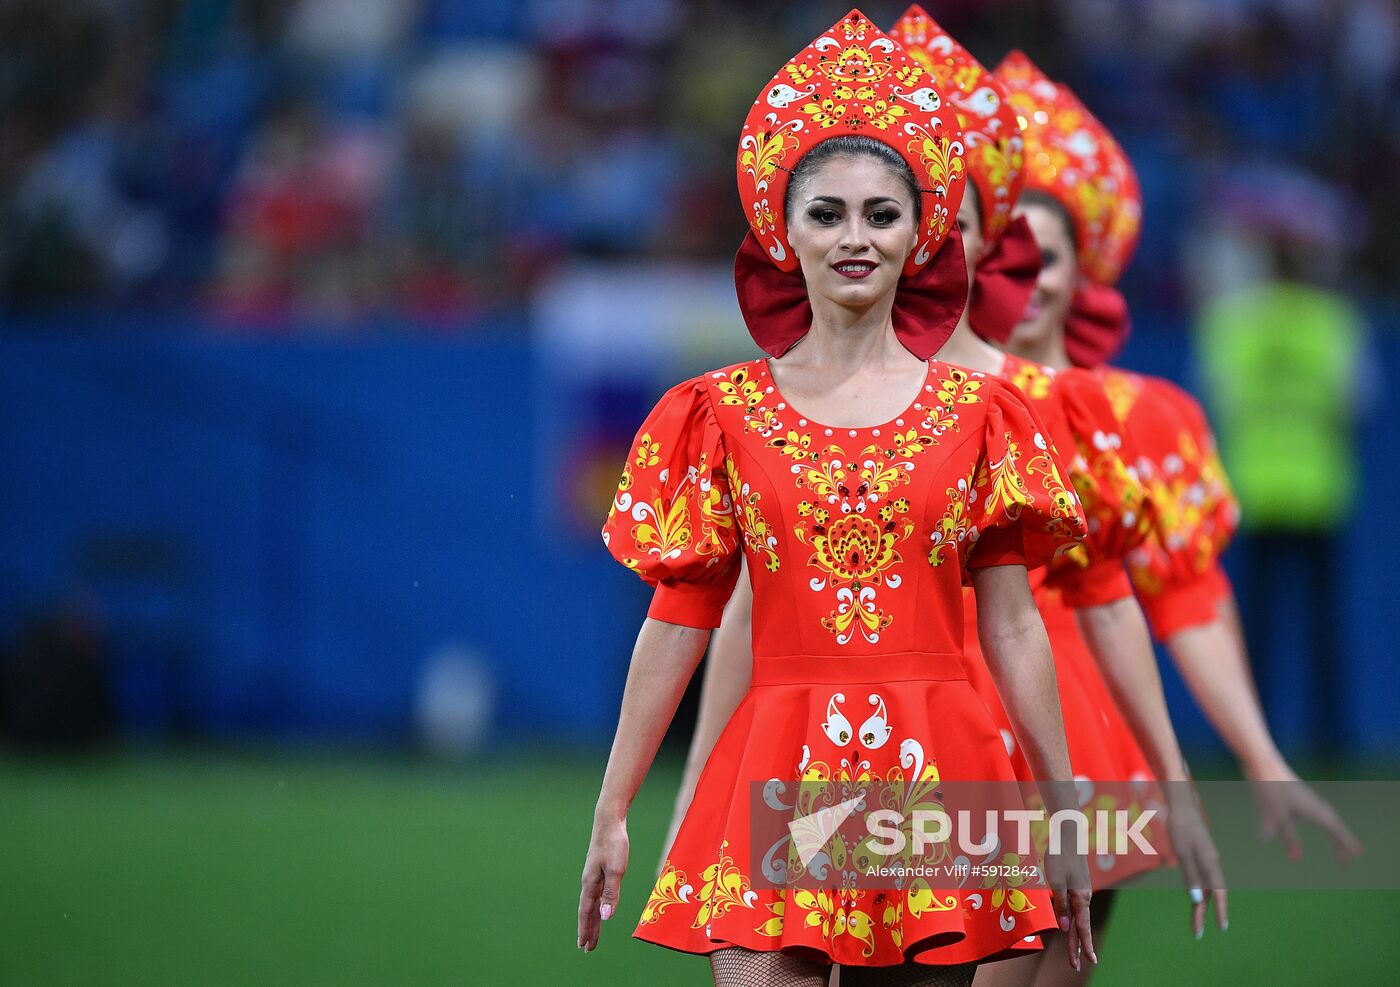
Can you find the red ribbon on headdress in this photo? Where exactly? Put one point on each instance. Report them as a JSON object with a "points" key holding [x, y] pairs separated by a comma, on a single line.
{"points": [[1003, 283], [927, 303], [1097, 326]]}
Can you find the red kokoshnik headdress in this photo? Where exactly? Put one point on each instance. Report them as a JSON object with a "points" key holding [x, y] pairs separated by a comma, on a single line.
{"points": [[1010, 261], [853, 80], [1072, 157]]}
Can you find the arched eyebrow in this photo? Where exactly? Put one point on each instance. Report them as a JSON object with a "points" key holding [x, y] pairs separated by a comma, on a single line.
{"points": [[838, 201]]}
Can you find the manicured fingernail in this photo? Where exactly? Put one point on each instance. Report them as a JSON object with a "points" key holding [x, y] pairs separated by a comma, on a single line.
{"points": [[1064, 924], [605, 911]]}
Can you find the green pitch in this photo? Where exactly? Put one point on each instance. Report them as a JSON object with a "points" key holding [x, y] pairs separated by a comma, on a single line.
{"points": [[226, 869]]}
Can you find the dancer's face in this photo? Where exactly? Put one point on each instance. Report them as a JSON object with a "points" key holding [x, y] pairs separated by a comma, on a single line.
{"points": [[970, 227], [1048, 310], [852, 226]]}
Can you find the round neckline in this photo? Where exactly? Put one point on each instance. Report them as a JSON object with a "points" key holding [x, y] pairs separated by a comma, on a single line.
{"points": [[898, 421]]}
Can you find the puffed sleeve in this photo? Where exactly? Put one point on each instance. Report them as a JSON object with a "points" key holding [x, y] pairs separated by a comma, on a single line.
{"points": [[672, 519], [1185, 601], [1024, 512], [1117, 505], [1176, 571]]}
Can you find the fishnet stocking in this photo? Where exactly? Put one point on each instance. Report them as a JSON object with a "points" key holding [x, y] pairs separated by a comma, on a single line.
{"points": [[908, 975], [738, 967]]}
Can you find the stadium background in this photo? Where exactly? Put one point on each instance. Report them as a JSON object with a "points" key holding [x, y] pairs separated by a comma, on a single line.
{"points": [[324, 326]]}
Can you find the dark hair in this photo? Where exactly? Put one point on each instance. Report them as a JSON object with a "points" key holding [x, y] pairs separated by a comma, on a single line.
{"points": [[853, 146], [1035, 197]]}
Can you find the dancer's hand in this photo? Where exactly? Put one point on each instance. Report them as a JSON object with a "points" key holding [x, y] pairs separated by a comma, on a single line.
{"points": [[1200, 861], [1068, 874], [1283, 800], [602, 878]]}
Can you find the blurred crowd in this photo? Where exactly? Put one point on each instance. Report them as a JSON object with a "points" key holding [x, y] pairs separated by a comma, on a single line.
{"points": [[295, 162]]}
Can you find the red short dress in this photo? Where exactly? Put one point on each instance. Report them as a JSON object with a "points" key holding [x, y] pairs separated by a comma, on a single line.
{"points": [[1110, 768], [858, 542], [1176, 569]]}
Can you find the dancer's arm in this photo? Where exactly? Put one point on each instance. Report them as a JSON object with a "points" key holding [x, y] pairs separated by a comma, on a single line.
{"points": [[1215, 667], [663, 661], [726, 681], [1017, 651], [1117, 636]]}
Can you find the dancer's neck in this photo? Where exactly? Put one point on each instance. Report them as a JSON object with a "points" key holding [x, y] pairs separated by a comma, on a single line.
{"points": [[1049, 352], [967, 349], [843, 340]]}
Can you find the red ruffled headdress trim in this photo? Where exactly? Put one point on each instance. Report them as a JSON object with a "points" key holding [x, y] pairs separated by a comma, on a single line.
{"points": [[1003, 283], [1097, 326], [927, 303]]}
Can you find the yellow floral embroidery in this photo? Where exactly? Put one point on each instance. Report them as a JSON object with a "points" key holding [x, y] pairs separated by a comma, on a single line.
{"points": [[958, 387], [955, 526], [855, 548], [942, 158], [854, 65], [882, 114], [760, 158], [773, 926], [1122, 391], [853, 522], [1194, 513], [725, 888], [1004, 881], [854, 544], [665, 527], [1033, 380], [760, 537], [1111, 493], [671, 888], [1000, 159], [740, 389], [799, 72], [648, 451], [838, 915], [1009, 491], [1064, 505], [911, 75], [797, 445]]}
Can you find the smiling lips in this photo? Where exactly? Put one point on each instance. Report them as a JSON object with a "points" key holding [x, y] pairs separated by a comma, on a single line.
{"points": [[854, 269]]}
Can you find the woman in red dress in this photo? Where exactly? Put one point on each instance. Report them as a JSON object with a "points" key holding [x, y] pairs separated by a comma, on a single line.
{"points": [[1114, 669], [1003, 265], [1185, 594], [863, 483], [1190, 603]]}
